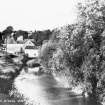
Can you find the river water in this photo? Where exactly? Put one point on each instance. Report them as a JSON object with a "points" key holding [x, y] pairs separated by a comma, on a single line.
{"points": [[45, 90], [32, 89]]}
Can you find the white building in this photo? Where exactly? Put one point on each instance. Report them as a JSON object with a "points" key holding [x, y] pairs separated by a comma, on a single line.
{"points": [[32, 52], [30, 49], [13, 48]]}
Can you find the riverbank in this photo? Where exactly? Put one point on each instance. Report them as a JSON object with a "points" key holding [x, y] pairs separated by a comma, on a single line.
{"points": [[64, 82], [6, 98]]}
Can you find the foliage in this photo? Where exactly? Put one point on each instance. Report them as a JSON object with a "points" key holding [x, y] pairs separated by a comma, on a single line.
{"points": [[93, 16], [46, 53], [81, 48], [7, 32], [40, 36], [20, 33]]}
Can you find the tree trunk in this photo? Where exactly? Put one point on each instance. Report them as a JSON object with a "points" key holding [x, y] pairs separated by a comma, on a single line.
{"points": [[94, 81]]}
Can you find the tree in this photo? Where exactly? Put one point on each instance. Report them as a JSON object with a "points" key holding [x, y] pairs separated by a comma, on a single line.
{"points": [[83, 47], [1, 38], [21, 33], [46, 53], [92, 15], [40, 36], [7, 32]]}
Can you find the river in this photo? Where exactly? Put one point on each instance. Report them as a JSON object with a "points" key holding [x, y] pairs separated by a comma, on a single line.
{"points": [[31, 89], [45, 90]]}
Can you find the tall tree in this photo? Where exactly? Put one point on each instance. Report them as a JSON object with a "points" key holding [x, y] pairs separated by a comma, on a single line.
{"points": [[83, 47], [7, 32]]}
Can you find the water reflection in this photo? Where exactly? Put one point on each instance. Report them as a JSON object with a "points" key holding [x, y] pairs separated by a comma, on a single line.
{"points": [[46, 91]]}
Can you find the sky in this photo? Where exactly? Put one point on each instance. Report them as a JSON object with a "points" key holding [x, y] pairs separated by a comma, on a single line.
{"points": [[36, 14]]}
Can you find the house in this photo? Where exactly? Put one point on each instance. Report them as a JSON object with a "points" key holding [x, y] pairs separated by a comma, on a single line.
{"points": [[13, 48], [31, 52], [30, 48], [11, 45]]}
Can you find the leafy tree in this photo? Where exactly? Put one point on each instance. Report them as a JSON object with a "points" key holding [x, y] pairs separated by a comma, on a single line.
{"points": [[21, 33], [7, 32], [46, 53], [1, 38], [92, 15], [40, 36], [83, 47]]}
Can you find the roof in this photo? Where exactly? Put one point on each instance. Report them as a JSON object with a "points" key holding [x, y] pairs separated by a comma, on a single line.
{"points": [[28, 43]]}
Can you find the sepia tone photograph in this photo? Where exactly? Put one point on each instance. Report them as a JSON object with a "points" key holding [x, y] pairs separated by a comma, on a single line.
{"points": [[52, 52]]}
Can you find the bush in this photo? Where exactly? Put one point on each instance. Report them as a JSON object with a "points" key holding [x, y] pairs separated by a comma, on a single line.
{"points": [[46, 53]]}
